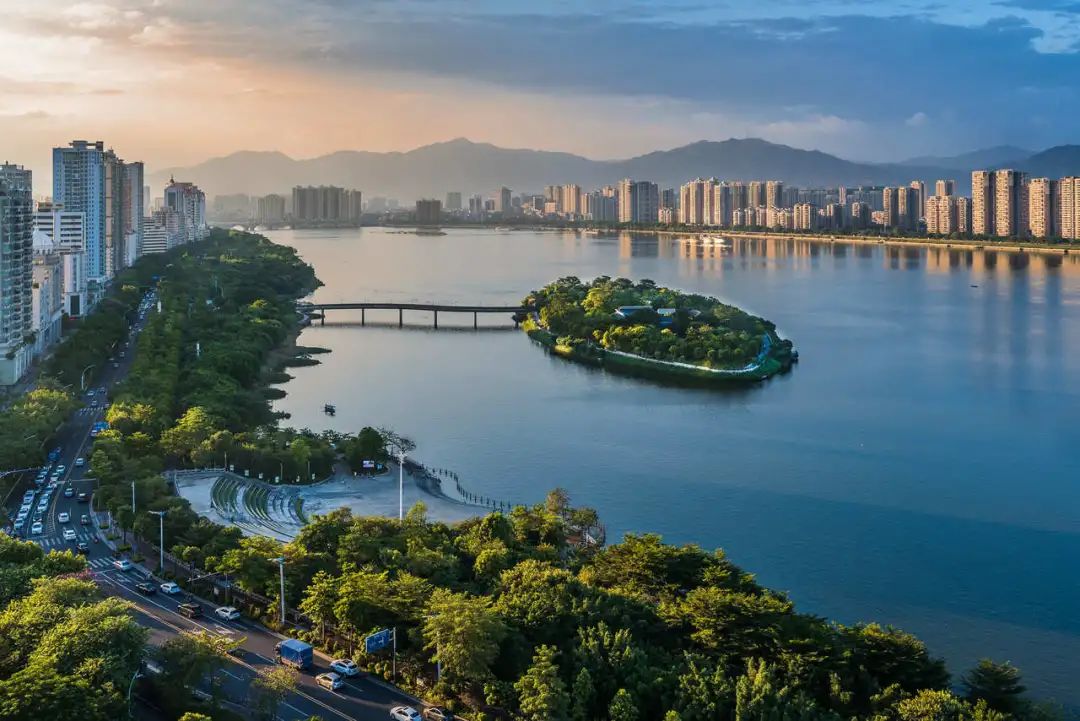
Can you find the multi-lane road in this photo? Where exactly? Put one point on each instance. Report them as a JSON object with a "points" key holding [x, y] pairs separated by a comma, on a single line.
{"points": [[362, 698]]}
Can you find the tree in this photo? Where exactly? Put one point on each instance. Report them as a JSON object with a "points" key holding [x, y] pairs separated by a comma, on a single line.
{"points": [[320, 598], [189, 657], [542, 694], [464, 632], [583, 695], [996, 683], [192, 716], [933, 705], [270, 689], [622, 707]]}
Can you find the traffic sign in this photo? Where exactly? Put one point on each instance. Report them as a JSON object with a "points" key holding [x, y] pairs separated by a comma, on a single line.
{"points": [[379, 640]]}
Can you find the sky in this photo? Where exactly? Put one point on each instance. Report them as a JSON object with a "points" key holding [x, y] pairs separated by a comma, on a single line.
{"points": [[174, 82]]}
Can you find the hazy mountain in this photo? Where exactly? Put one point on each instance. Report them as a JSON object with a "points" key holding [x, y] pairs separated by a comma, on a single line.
{"points": [[1056, 162], [998, 156], [481, 168]]}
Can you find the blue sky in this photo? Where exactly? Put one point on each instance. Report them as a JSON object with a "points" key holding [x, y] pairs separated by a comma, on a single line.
{"points": [[175, 81]]}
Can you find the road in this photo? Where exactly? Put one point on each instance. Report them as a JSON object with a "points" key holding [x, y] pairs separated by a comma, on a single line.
{"points": [[361, 698]]}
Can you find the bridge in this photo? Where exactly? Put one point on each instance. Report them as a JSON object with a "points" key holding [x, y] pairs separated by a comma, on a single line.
{"points": [[517, 312]]}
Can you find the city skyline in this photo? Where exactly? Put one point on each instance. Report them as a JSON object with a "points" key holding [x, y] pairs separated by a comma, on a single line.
{"points": [[293, 79]]}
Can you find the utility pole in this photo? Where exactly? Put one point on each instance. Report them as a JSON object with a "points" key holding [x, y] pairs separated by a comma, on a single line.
{"points": [[401, 485], [133, 504], [161, 540], [280, 561]]}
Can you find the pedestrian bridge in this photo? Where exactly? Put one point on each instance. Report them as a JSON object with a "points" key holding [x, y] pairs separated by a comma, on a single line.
{"points": [[517, 312]]}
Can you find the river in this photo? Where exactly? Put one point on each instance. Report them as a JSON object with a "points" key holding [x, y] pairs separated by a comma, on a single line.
{"points": [[918, 467]]}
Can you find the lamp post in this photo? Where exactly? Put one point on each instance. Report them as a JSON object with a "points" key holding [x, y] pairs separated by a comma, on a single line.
{"points": [[133, 504], [161, 540], [280, 561], [131, 685], [82, 377], [401, 485]]}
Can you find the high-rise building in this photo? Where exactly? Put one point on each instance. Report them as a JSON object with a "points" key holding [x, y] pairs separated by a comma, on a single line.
{"points": [[453, 201], [860, 215], [907, 208], [774, 194], [841, 195], [155, 235], [942, 215], [945, 187], [571, 200], [66, 233], [920, 197], [1043, 195], [1010, 203], [270, 209], [47, 295], [693, 206], [328, 204], [601, 207], [1070, 207], [639, 201], [890, 200], [79, 186], [503, 201], [188, 203], [428, 211], [134, 210], [721, 206], [669, 198], [114, 213], [982, 202], [804, 216], [16, 271], [755, 197], [963, 215]]}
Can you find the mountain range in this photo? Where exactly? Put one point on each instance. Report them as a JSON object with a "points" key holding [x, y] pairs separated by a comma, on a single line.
{"points": [[470, 167]]}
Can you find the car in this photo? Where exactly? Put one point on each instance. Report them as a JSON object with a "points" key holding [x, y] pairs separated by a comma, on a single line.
{"points": [[69, 534], [115, 365], [146, 588], [122, 564], [69, 492], [37, 528], [43, 504], [19, 523], [60, 469], [329, 681], [84, 519], [80, 462], [189, 610], [227, 613], [90, 393], [345, 667], [82, 547], [404, 713], [63, 517], [170, 588], [93, 403], [82, 497], [437, 713]]}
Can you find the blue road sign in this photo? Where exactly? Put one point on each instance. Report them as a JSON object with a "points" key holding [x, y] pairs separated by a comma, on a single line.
{"points": [[378, 640]]}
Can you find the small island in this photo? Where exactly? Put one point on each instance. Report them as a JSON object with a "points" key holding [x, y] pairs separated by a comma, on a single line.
{"points": [[646, 330]]}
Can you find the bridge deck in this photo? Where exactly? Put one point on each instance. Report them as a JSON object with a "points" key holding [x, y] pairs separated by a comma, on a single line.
{"points": [[437, 307]]}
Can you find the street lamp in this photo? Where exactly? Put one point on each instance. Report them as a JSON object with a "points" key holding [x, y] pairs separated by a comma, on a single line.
{"points": [[280, 561], [401, 485], [131, 685], [161, 539], [82, 377]]}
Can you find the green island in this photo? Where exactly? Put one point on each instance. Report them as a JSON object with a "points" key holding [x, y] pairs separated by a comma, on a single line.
{"points": [[647, 330], [527, 617]]}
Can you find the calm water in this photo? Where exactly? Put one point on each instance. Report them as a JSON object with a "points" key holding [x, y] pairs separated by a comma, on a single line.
{"points": [[919, 467]]}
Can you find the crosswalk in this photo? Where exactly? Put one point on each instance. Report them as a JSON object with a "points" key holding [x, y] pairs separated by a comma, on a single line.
{"points": [[60, 543], [100, 563]]}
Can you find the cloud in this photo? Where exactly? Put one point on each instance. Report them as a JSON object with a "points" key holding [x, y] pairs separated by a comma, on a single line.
{"points": [[917, 120]]}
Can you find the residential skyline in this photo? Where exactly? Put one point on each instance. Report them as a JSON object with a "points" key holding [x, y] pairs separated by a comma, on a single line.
{"points": [[312, 78]]}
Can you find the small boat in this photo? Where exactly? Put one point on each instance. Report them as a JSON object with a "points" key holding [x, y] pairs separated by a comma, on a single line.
{"points": [[329, 409]]}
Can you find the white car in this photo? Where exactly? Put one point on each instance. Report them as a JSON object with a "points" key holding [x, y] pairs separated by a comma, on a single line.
{"points": [[170, 588], [329, 681], [60, 469], [345, 667], [405, 713], [64, 517], [37, 528], [122, 564], [227, 613], [69, 534], [80, 462]]}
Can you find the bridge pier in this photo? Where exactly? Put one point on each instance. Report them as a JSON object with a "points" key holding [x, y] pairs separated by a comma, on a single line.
{"points": [[363, 316], [400, 317], [322, 318], [475, 315], [436, 320]]}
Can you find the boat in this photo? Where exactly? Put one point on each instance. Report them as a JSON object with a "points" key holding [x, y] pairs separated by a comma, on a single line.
{"points": [[329, 409]]}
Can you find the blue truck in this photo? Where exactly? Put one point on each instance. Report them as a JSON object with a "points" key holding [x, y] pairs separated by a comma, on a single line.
{"points": [[297, 654]]}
